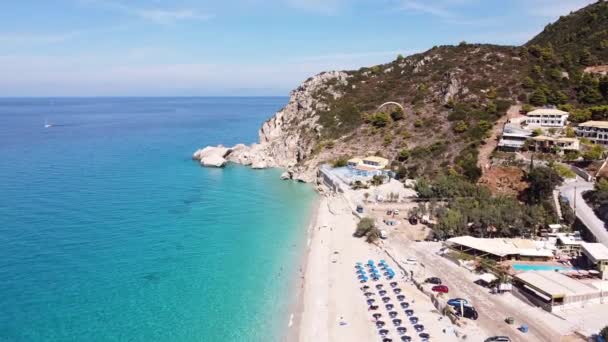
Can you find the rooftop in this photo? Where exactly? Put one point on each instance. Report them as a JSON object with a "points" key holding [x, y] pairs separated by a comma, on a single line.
{"points": [[554, 284], [503, 247], [597, 124], [558, 139], [355, 160], [547, 111], [596, 251], [375, 159]]}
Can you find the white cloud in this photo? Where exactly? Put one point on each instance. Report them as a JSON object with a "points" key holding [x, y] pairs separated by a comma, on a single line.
{"points": [[156, 15], [319, 6], [36, 38], [554, 8], [171, 16], [434, 9]]}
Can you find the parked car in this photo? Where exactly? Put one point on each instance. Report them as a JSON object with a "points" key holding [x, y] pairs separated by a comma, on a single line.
{"points": [[469, 312], [433, 280], [440, 289], [458, 301], [498, 339]]}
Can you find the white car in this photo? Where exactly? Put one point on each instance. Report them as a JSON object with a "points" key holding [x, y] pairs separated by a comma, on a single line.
{"points": [[411, 261]]}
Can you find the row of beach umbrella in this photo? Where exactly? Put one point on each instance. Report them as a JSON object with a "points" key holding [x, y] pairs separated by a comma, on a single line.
{"points": [[374, 273], [370, 270]]}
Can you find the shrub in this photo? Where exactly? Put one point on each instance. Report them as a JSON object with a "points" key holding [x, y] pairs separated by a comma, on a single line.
{"points": [[594, 153], [380, 120], [404, 155], [364, 226], [340, 162], [397, 114], [460, 127], [564, 171]]}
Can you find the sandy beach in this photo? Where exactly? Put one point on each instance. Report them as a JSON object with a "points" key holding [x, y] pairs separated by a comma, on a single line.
{"points": [[331, 294]]}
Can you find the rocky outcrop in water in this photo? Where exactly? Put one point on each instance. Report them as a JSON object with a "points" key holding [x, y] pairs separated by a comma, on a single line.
{"points": [[287, 139]]}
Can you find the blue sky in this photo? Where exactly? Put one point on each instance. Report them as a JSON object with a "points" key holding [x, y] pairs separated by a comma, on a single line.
{"points": [[235, 47]]}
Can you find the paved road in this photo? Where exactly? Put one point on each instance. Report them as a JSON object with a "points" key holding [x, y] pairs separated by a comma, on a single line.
{"points": [[583, 211]]}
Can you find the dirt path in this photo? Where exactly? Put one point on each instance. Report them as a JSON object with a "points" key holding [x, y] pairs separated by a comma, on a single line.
{"points": [[492, 142]]}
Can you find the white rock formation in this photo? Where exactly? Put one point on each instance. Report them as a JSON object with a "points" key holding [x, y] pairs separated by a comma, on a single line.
{"points": [[212, 156], [288, 138]]}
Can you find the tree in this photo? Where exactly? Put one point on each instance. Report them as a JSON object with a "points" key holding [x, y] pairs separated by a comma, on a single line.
{"points": [[580, 115], [364, 226], [397, 114], [526, 108], [528, 83], [586, 58], [594, 153], [538, 98], [537, 132], [542, 181]]}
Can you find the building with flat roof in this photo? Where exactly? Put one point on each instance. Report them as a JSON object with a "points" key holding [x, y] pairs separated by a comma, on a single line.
{"points": [[546, 144], [547, 117], [596, 255], [568, 244], [377, 162], [555, 291], [513, 137], [596, 131], [502, 249]]}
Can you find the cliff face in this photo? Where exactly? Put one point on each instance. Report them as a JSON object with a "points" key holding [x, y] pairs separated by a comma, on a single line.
{"points": [[288, 138]]}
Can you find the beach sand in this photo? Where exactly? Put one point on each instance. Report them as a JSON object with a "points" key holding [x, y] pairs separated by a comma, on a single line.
{"points": [[330, 292]]}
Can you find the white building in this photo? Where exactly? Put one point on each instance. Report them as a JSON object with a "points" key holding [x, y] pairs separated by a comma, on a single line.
{"points": [[596, 131], [513, 137], [547, 117]]}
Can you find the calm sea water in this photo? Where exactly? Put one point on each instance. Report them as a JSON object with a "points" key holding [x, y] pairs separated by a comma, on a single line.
{"points": [[109, 232]]}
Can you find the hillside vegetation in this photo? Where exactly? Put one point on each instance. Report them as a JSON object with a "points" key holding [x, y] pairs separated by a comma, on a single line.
{"points": [[453, 95]]}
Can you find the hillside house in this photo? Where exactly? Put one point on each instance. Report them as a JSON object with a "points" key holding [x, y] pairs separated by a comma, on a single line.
{"points": [[547, 117], [596, 131], [546, 144], [513, 138]]}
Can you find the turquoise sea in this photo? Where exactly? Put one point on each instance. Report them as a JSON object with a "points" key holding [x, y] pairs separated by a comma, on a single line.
{"points": [[110, 232]]}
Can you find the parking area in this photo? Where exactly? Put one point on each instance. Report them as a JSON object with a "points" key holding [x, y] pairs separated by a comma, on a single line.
{"points": [[493, 309]]}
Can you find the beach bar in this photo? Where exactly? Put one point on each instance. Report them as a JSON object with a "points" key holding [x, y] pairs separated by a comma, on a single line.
{"points": [[554, 290], [501, 249]]}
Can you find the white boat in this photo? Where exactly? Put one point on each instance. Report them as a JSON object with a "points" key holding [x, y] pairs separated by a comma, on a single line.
{"points": [[47, 124]]}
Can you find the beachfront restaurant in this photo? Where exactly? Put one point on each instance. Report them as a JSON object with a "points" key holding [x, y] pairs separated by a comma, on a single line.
{"points": [[501, 249], [554, 291]]}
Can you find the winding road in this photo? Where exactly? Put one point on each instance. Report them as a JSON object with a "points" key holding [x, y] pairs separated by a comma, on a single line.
{"points": [[584, 212]]}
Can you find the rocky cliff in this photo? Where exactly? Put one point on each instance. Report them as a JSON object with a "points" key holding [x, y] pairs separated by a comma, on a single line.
{"points": [[288, 138]]}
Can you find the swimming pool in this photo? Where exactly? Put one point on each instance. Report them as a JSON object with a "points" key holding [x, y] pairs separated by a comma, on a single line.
{"points": [[532, 267]]}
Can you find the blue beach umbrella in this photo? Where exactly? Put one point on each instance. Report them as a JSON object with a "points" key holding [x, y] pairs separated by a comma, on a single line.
{"points": [[370, 262]]}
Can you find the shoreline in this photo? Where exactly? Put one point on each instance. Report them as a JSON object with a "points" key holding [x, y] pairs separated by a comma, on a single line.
{"points": [[296, 307]]}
